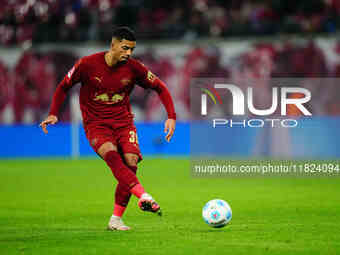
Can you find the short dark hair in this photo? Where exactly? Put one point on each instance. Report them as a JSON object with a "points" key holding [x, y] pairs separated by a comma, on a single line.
{"points": [[124, 33]]}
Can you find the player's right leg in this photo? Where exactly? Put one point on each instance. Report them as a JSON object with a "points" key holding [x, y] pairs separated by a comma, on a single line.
{"points": [[116, 223], [122, 193]]}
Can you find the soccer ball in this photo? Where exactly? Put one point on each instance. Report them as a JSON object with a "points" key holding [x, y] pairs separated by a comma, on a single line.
{"points": [[217, 213]]}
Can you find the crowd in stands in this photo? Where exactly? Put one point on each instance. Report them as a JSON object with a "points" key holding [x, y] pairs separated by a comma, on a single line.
{"points": [[39, 21], [27, 88]]}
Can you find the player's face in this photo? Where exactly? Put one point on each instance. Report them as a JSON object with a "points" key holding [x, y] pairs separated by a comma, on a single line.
{"points": [[122, 50]]}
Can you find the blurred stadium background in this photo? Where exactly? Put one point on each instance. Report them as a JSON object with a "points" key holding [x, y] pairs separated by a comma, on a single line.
{"points": [[40, 40], [52, 205]]}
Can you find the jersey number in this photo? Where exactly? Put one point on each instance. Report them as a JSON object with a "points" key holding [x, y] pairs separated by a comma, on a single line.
{"points": [[133, 137]]}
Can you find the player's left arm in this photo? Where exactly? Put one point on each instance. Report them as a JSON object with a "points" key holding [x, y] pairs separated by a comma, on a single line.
{"points": [[169, 128], [166, 99], [147, 79]]}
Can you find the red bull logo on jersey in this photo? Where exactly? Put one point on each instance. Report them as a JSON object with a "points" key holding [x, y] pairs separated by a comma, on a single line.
{"points": [[106, 98]]}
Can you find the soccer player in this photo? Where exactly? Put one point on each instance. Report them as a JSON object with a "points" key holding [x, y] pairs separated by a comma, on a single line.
{"points": [[107, 79]]}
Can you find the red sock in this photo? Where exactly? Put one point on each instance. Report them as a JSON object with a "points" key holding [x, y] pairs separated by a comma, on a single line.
{"points": [[122, 193], [133, 168], [122, 173], [137, 190], [118, 210]]}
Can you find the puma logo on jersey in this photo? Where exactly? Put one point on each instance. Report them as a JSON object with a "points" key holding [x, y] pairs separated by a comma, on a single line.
{"points": [[98, 79]]}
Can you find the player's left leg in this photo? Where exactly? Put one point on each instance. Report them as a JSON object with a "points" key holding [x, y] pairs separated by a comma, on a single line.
{"points": [[146, 202], [130, 153]]}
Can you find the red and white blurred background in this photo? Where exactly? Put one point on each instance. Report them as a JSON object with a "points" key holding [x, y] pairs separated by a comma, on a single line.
{"points": [[40, 40], [28, 78]]}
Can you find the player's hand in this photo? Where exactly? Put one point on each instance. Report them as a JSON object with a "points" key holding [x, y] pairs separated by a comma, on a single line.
{"points": [[50, 120], [169, 128]]}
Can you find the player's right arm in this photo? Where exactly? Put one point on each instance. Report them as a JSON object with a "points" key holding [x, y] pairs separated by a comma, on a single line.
{"points": [[72, 78]]}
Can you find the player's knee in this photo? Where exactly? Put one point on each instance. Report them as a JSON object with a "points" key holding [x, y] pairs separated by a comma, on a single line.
{"points": [[132, 162], [131, 159], [105, 148]]}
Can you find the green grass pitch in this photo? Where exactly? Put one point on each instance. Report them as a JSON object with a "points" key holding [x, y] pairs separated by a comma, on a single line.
{"points": [[63, 206]]}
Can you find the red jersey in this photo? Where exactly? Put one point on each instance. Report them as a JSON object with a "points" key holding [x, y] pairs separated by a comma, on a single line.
{"points": [[105, 90]]}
